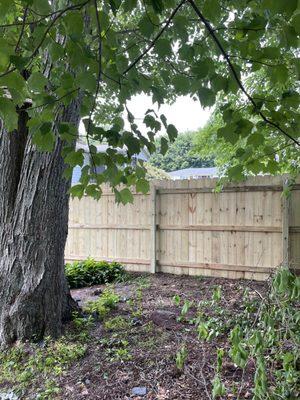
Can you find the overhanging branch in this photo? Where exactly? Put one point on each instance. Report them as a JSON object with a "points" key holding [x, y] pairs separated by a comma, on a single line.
{"points": [[151, 45], [234, 73]]}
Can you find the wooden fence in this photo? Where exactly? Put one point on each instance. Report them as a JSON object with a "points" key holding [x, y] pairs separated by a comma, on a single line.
{"points": [[185, 227]]}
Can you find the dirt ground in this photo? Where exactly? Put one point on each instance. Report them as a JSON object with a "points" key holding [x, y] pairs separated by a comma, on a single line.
{"points": [[137, 360]]}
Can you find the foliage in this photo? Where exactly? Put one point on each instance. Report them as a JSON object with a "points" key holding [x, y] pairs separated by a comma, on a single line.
{"points": [[90, 272], [116, 323], [116, 348], [155, 173], [264, 332], [38, 365], [181, 357], [179, 155], [102, 306], [52, 53]]}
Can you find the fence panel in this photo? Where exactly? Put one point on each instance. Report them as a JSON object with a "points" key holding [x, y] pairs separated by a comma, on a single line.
{"points": [[185, 227]]}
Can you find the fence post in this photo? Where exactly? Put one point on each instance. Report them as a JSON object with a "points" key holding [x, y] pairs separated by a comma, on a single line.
{"points": [[153, 229], [285, 223]]}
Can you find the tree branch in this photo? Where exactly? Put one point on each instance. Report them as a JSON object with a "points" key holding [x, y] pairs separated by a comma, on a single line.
{"points": [[35, 51], [133, 64], [234, 73]]}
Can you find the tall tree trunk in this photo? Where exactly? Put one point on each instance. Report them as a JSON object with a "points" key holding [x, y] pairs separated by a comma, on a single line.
{"points": [[34, 297]]}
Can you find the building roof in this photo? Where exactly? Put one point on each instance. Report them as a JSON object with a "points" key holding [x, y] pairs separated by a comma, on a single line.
{"points": [[193, 172]]}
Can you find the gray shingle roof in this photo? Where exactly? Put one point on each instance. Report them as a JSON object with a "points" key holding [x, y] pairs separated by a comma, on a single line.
{"points": [[194, 172]]}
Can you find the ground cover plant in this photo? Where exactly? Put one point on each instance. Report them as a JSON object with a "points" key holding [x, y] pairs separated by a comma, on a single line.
{"points": [[90, 272], [169, 337]]}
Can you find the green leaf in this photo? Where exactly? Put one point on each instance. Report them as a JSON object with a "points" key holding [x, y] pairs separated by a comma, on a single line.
{"points": [[172, 132], [42, 6], [279, 74], [157, 5], [164, 145], [44, 141], [146, 26], [296, 22], [163, 47], [87, 80], [181, 84], [56, 51], [8, 114], [228, 133], [126, 196], [201, 68], [93, 191], [236, 172], [74, 158], [207, 97], [256, 139], [37, 82], [77, 191], [142, 185]]}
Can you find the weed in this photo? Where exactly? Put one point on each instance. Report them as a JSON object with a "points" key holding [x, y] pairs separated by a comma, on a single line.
{"points": [[116, 349], [27, 365], [106, 302], [184, 310], [176, 300], [136, 303], [116, 323], [181, 357]]}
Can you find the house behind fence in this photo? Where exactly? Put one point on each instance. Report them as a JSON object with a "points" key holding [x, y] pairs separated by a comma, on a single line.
{"points": [[184, 227]]}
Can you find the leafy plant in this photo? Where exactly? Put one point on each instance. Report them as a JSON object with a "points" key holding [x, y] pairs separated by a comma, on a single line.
{"points": [[90, 272], [136, 302], [116, 323], [106, 302], [176, 300], [184, 310], [181, 357]]}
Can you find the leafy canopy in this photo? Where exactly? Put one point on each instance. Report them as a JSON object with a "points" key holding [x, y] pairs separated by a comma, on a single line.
{"points": [[107, 51], [179, 155]]}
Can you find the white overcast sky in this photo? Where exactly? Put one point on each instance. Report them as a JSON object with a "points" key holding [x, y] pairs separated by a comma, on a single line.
{"points": [[185, 113]]}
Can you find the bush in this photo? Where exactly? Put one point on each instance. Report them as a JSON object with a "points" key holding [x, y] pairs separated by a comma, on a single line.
{"points": [[90, 272]]}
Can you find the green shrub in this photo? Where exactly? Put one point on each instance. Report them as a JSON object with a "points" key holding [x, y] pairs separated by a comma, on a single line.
{"points": [[90, 272]]}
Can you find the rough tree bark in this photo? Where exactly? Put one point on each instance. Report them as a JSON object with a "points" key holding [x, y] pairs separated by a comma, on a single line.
{"points": [[34, 298]]}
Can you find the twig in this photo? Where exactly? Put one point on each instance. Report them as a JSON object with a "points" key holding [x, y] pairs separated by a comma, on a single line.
{"points": [[35, 51], [234, 73], [155, 39]]}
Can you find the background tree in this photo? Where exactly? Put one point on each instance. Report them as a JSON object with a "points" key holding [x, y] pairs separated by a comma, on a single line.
{"points": [[179, 155], [58, 58]]}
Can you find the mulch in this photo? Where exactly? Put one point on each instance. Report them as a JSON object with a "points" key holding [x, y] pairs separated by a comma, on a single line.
{"points": [[153, 339]]}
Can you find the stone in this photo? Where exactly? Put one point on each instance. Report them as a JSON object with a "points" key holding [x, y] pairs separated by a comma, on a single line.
{"points": [[139, 391], [164, 318], [8, 396]]}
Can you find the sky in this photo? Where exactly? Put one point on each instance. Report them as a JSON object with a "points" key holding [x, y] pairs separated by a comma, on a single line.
{"points": [[186, 114]]}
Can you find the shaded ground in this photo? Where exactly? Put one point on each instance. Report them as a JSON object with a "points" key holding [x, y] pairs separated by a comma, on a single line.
{"points": [[139, 349]]}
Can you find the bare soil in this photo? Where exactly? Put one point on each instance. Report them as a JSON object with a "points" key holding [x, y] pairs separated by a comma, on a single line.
{"points": [[151, 340]]}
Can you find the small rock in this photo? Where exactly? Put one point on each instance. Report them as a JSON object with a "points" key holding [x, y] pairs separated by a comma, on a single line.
{"points": [[87, 382], [97, 292], [163, 318], [136, 321], [139, 391], [8, 396]]}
